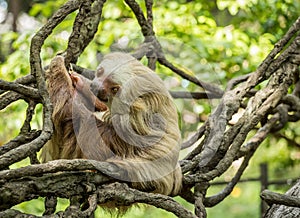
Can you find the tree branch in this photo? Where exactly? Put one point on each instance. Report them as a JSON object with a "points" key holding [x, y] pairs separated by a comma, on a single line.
{"points": [[61, 165], [30, 187], [19, 140], [21, 89], [282, 203], [8, 98], [146, 27], [121, 193], [84, 28], [276, 198], [207, 86], [25, 80]]}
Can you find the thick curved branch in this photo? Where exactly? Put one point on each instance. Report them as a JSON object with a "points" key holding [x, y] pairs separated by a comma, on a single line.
{"points": [[120, 192], [21, 89], [44, 32], [24, 150], [84, 29], [149, 5], [146, 27], [276, 198], [25, 80], [31, 187], [8, 98], [61, 165], [282, 203], [19, 140]]}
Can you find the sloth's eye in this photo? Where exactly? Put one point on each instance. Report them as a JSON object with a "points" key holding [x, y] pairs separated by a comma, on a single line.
{"points": [[115, 89]]}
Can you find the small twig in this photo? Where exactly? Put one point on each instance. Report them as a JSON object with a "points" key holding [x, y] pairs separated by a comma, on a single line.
{"points": [[194, 95], [29, 114], [213, 200], [193, 158], [290, 142], [193, 140], [233, 82], [207, 86]]}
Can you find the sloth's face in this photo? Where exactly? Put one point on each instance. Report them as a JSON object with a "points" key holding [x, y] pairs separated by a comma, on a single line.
{"points": [[104, 87], [105, 90]]}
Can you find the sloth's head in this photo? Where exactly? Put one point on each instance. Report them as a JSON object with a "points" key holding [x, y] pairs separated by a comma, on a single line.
{"points": [[121, 75], [113, 75]]}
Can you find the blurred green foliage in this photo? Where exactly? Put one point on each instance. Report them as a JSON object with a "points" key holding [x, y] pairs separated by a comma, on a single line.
{"points": [[212, 40]]}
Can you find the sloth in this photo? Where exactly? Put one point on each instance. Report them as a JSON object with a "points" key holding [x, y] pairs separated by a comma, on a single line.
{"points": [[137, 130]]}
